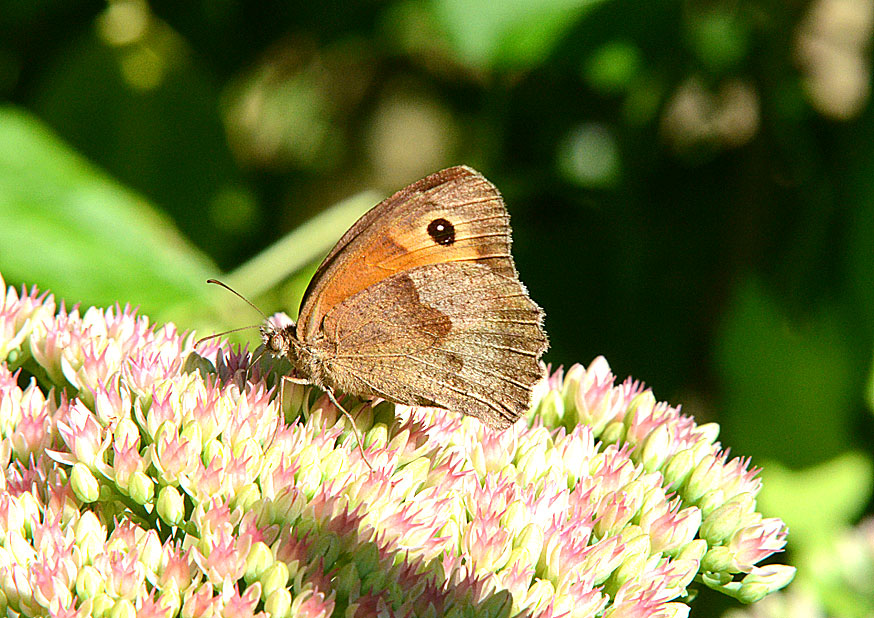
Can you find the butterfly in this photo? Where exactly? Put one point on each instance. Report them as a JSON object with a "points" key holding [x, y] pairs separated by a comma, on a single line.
{"points": [[419, 303]]}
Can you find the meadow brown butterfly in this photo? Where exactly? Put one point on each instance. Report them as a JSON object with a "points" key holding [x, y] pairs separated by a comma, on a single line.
{"points": [[419, 303]]}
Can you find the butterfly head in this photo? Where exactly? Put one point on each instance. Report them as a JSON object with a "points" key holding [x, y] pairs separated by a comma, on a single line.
{"points": [[277, 334]]}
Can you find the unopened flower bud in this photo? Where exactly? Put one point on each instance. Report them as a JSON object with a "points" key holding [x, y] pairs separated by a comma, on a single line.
{"points": [[259, 559], [641, 406], [196, 362], [573, 382], [278, 604], [327, 546], [309, 478], [84, 485], [452, 532], [193, 432], [309, 456], [13, 516], [101, 605], [679, 467], [763, 581], [711, 501], [214, 449], [141, 488], [539, 595], [366, 556], [414, 475], [170, 505], [31, 509], [603, 559], [165, 432], [126, 431], [170, 600], [377, 436], [707, 433], [675, 610], [274, 578], [515, 518], [293, 397], [717, 559], [656, 447], [89, 581], [722, 522], [703, 478], [150, 550], [613, 433], [400, 441], [347, 582], [333, 463], [694, 550], [375, 580], [552, 409], [364, 416], [123, 608], [246, 496], [90, 536], [634, 558], [496, 605]]}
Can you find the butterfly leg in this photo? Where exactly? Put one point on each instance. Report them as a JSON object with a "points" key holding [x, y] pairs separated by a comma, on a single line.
{"points": [[290, 380], [296, 380], [333, 399]]}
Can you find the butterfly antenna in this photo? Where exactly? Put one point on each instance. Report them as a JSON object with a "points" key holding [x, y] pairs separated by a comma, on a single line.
{"points": [[243, 298], [221, 334], [354, 428]]}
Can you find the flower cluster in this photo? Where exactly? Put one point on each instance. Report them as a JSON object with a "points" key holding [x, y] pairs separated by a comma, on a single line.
{"points": [[834, 579], [142, 477]]}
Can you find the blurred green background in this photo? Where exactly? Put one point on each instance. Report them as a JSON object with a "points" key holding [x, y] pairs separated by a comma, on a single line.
{"points": [[691, 184]]}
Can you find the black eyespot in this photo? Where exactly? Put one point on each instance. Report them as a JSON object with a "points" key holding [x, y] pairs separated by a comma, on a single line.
{"points": [[441, 231]]}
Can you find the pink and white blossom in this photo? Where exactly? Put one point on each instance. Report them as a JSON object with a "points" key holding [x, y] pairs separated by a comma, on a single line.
{"points": [[204, 498]]}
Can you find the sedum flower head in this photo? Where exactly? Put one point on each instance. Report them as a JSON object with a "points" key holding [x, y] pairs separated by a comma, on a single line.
{"points": [[142, 477]]}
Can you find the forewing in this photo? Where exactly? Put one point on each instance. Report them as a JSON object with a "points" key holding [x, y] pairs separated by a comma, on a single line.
{"points": [[394, 237]]}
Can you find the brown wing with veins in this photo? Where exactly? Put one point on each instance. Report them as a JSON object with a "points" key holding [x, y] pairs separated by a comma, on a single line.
{"points": [[457, 335], [394, 237]]}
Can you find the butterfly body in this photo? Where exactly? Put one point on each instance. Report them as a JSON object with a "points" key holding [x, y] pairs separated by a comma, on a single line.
{"points": [[419, 303]]}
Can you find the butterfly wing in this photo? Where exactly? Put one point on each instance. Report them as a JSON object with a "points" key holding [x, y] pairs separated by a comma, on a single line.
{"points": [[454, 215], [455, 335]]}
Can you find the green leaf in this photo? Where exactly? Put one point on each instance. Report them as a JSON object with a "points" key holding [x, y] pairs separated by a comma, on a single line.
{"points": [[511, 34], [819, 501], [68, 227], [791, 384]]}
